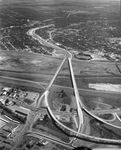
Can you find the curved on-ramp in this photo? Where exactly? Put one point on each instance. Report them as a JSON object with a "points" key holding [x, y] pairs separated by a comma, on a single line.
{"points": [[86, 137]]}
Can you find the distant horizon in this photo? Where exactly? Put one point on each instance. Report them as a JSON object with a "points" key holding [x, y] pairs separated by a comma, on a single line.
{"points": [[60, 1]]}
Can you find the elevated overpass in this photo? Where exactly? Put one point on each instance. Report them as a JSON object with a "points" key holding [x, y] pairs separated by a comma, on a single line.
{"points": [[80, 106]]}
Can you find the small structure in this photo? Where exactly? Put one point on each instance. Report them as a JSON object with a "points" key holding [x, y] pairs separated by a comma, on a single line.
{"points": [[7, 89], [63, 118], [64, 108]]}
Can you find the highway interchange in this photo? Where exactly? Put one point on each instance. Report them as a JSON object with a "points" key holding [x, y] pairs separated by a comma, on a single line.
{"points": [[80, 107], [66, 56]]}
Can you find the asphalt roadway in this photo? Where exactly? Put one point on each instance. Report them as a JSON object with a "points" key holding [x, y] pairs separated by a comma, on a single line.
{"points": [[28, 82]]}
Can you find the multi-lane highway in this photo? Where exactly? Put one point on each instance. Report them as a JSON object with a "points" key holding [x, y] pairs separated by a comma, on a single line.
{"points": [[67, 56], [79, 103]]}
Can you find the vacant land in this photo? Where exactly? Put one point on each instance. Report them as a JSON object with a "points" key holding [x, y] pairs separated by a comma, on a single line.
{"points": [[59, 98], [107, 101], [25, 62], [95, 68]]}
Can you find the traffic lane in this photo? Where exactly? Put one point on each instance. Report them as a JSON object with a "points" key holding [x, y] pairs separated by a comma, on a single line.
{"points": [[35, 86], [65, 80], [27, 76]]}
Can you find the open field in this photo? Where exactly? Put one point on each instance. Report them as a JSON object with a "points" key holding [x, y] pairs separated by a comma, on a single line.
{"points": [[108, 101], [39, 64], [95, 68], [62, 80], [27, 76], [25, 62], [99, 130], [84, 81], [59, 98]]}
